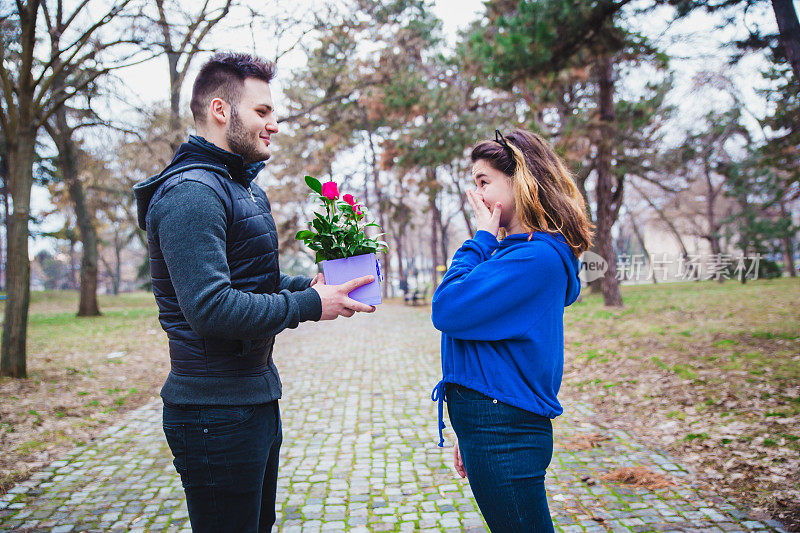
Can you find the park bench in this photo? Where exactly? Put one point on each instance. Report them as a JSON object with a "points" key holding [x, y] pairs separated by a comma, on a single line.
{"points": [[415, 296]]}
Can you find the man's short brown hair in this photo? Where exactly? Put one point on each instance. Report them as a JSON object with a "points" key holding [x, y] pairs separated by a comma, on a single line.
{"points": [[223, 76]]}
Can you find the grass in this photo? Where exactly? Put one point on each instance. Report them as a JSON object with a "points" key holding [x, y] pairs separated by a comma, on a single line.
{"points": [[717, 370], [73, 389]]}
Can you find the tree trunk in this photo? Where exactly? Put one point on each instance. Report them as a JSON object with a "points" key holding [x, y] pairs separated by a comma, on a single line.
{"points": [[112, 274], [381, 206], [462, 207], [596, 286], [73, 270], [713, 236], [68, 164], [401, 271], [442, 234], [4, 175], [88, 305], [176, 136], [788, 245], [640, 238], [789, 29], [465, 214], [605, 192], [18, 268], [117, 262], [444, 243], [432, 192]]}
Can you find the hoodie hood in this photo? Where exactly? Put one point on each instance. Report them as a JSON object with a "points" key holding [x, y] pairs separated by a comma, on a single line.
{"points": [[197, 153], [559, 244]]}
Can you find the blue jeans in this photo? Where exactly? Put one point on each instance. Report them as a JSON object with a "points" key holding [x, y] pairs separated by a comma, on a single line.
{"points": [[227, 457], [505, 451]]}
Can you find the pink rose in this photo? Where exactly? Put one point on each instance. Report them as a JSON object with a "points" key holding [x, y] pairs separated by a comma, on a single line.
{"points": [[330, 190], [357, 211], [349, 199]]}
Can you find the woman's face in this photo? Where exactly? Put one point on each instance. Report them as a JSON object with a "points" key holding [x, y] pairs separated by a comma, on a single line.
{"points": [[495, 187]]}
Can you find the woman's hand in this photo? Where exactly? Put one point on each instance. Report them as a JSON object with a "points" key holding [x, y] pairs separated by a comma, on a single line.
{"points": [[319, 278], [485, 220], [457, 462]]}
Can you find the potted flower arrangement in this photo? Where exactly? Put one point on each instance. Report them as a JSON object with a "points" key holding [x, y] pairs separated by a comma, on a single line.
{"points": [[340, 242]]}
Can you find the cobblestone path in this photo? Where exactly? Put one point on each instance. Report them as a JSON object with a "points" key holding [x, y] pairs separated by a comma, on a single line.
{"points": [[360, 454]]}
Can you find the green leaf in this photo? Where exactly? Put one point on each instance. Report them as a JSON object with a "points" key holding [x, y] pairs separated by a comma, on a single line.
{"points": [[304, 234], [314, 184], [319, 225]]}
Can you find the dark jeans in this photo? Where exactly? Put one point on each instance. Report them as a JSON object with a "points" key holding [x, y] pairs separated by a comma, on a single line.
{"points": [[227, 457], [505, 451]]}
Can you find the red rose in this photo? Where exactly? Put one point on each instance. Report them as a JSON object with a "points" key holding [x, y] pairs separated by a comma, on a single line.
{"points": [[349, 199], [330, 190], [357, 211]]}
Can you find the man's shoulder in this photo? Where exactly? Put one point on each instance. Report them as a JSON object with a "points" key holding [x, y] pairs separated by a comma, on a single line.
{"points": [[201, 173], [191, 189], [206, 181]]}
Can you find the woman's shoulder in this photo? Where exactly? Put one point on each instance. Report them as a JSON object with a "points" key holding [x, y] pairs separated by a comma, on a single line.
{"points": [[533, 258], [533, 248]]}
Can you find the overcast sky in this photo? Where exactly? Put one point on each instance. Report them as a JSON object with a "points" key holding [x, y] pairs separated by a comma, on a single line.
{"points": [[695, 43]]}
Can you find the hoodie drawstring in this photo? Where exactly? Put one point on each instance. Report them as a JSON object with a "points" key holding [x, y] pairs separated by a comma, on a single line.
{"points": [[438, 395]]}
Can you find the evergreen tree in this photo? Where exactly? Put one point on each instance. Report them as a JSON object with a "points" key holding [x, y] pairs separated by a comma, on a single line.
{"points": [[531, 41]]}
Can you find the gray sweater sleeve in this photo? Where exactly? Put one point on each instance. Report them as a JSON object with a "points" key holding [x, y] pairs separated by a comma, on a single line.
{"points": [[293, 283], [189, 224]]}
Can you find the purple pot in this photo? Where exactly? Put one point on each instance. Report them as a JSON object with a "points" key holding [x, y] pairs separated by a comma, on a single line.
{"points": [[338, 271]]}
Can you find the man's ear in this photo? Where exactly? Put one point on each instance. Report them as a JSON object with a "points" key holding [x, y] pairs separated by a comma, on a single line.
{"points": [[219, 111]]}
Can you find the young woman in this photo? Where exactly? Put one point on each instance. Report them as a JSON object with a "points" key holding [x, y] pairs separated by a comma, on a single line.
{"points": [[500, 309]]}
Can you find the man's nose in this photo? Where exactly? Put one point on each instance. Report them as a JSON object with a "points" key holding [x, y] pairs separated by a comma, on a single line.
{"points": [[272, 126]]}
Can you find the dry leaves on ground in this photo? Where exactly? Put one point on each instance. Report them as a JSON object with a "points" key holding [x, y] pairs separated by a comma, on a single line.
{"points": [[638, 476]]}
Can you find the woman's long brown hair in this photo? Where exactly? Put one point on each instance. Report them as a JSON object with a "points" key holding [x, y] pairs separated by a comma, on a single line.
{"points": [[546, 197]]}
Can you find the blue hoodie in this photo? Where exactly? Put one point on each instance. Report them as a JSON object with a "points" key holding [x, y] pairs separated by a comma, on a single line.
{"points": [[500, 308]]}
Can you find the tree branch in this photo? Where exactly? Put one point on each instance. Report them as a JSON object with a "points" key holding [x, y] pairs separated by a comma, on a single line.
{"points": [[324, 101], [28, 25], [51, 104], [196, 43], [79, 43], [8, 88], [162, 22], [192, 28]]}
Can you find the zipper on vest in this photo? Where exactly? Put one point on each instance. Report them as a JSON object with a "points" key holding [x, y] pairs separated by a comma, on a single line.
{"points": [[251, 194]]}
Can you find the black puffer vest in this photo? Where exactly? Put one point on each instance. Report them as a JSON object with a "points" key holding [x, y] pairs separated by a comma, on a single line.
{"points": [[252, 255]]}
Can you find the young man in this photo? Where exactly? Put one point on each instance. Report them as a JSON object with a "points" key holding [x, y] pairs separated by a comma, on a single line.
{"points": [[222, 298]]}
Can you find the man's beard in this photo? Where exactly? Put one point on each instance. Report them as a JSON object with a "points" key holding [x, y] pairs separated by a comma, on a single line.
{"points": [[241, 142]]}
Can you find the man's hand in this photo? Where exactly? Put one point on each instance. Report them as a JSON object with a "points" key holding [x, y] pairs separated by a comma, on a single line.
{"points": [[335, 299], [457, 462], [484, 219]]}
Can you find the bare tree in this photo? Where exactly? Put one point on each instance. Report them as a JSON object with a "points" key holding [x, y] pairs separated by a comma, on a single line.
{"points": [[706, 163], [182, 33], [31, 96]]}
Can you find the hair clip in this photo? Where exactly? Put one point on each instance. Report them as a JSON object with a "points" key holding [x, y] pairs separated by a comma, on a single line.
{"points": [[498, 138]]}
